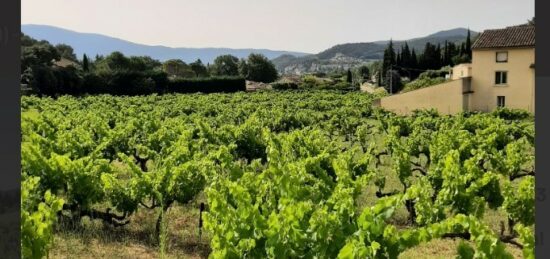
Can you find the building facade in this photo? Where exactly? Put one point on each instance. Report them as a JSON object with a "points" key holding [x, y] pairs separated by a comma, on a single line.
{"points": [[503, 69], [502, 74], [461, 71]]}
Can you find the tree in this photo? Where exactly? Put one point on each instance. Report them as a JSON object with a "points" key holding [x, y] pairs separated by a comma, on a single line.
{"points": [[177, 68], [406, 56], [116, 61], [27, 41], [349, 77], [414, 65], [85, 63], [389, 58], [43, 80], [437, 56], [363, 72], [468, 47], [199, 68], [260, 69], [393, 82], [144, 63], [243, 68], [68, 80], [38, 54], [430, 59], [66, 52], [225, 65]]}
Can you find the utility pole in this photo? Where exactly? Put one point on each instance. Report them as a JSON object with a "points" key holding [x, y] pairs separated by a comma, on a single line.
{"points": [[391, 79]]}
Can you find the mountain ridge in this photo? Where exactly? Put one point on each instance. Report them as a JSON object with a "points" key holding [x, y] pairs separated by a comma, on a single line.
{"points": [[340, 56], [98, 44], [362, 52]]}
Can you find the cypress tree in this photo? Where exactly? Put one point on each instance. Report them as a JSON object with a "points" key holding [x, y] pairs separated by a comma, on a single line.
{"points": [[349, 77], [398, 59], [85, 63], [431, 58], [413, 64], [437, 56], [389, 58], [462, 49], [406, 56], [446, 54], [468, 47]]}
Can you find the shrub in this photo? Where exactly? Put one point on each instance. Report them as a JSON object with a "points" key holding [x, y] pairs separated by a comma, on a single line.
{"points": [[511, 114], [127, 83], [343, 86], [284, 86], [310, 82], [435, 73], [68, 80], [422, 82]]}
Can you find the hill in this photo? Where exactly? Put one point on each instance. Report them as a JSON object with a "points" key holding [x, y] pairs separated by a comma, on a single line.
{"points": [[363, 52], [96, 44]]}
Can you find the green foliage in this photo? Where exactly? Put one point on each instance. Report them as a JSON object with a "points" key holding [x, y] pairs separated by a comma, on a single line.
{"points": [[393, 82], [85, 63], [259, 69], [207, 85], [38, 215], [284, 86], [176, 68], [428, 78], [422, 82], [66, 51], [225, 65], [363, 72], [38, 54], [283, 171], [388, 61], [199, 68], [511, 114]]}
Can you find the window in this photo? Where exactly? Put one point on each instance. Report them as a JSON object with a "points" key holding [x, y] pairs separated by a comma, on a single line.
{"points": [[501, 78], [502, 57], [501, 101]]}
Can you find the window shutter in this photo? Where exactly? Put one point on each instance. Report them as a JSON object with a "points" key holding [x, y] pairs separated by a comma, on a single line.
{"points": [[502, 56]]}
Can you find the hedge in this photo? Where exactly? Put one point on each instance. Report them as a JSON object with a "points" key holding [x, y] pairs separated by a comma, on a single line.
{"points": [[207, 85], [61, 81]]}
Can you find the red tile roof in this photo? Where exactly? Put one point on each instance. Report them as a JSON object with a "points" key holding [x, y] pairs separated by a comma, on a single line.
{"points": [[515, 36]]}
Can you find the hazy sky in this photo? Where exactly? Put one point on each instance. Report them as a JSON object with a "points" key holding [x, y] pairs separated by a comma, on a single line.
{"points": [[297, 25]]}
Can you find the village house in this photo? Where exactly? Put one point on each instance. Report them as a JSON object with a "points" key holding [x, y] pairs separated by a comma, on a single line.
{"points": [[502, 74]]}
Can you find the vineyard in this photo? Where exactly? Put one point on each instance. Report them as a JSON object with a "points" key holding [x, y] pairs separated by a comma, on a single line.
{"points": [[315, 174]]}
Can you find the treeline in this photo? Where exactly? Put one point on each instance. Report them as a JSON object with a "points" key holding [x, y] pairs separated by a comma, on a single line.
{"points": [[405, 62], [56, 70]]}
